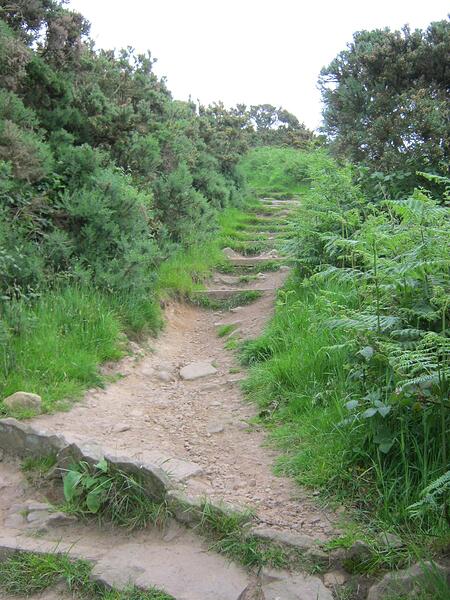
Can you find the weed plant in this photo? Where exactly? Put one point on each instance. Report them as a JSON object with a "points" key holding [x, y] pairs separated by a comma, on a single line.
{"points": [[111, 495]]}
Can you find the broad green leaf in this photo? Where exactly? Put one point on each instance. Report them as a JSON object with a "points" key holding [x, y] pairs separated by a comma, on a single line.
{"points": [[102, 465], [71, 481], [370, 412], [384, 410], [352, 404], [367, 352], [93, 501]]}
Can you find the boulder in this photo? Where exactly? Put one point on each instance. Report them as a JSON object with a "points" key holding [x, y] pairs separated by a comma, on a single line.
{"points": [[407, 583], [197, 370], [23, 401]]}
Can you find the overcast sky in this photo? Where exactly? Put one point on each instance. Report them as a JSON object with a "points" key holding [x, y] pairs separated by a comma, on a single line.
{"points": [[247, 51]]}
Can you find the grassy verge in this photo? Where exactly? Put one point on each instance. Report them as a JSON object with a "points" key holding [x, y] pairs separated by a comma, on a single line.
{"points": [[53, 345], [29, 573]]}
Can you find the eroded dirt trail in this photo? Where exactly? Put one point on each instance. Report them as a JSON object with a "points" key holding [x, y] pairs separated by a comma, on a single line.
{"points": [[152, 415]]}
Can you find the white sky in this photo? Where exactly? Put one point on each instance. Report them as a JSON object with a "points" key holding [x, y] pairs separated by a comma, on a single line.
{"points": [[248, 51]]}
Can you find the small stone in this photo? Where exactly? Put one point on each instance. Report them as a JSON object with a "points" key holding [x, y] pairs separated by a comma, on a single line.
{"points": [[197, 370], [335, 578], [24, 401], [164, 376], [120, 428], [359, 551], [211, 387], [217, 428], [389, 540]]}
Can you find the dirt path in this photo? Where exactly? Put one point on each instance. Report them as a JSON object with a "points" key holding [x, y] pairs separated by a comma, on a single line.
{"points": [[153, 415]]}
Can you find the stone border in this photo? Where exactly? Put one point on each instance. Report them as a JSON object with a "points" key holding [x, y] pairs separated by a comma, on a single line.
{"points": [[21, 440]]}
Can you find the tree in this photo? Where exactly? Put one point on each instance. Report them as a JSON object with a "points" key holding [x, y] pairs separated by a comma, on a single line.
{"points": [[387, 100]]}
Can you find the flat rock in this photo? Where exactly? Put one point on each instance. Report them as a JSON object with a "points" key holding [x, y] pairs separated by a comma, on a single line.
{"points": [[196, 370], [121, 428], [176, 468], [407, 583], [24, 401], [43, 519], [281, 585], [285, 538], [19, 439], [215, 428], [183, 569], [389, 540]]}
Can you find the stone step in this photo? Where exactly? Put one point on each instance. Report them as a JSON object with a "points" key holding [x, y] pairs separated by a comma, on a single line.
{"points": [[253, 261], [217, 294], [182, 567]]}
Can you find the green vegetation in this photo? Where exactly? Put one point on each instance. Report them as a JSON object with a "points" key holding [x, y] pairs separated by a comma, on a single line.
{"points": [[352, 372], [238, 299], [275, 172], [224, 330], [112, 496], [228, 534], [36, 469], [30, 573]]}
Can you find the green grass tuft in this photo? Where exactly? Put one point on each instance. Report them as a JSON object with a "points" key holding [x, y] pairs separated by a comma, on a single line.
{"points": [[30, 573]]}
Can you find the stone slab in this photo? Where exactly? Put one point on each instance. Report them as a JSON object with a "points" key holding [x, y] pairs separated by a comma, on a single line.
{"points": [[185, 571], [281, 585], [196, 370]]}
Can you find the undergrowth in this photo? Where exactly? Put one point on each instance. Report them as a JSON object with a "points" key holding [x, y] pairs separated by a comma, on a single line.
{"points": [[111, 495], [351, 375], [229, 535]]}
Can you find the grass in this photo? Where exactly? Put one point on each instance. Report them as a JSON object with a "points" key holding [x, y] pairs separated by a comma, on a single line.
{"points": [[238, 299], [224, 330], [186, 270], [30, 573], [36, 469], [57, 344], [275, 172], [228, 535]]}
